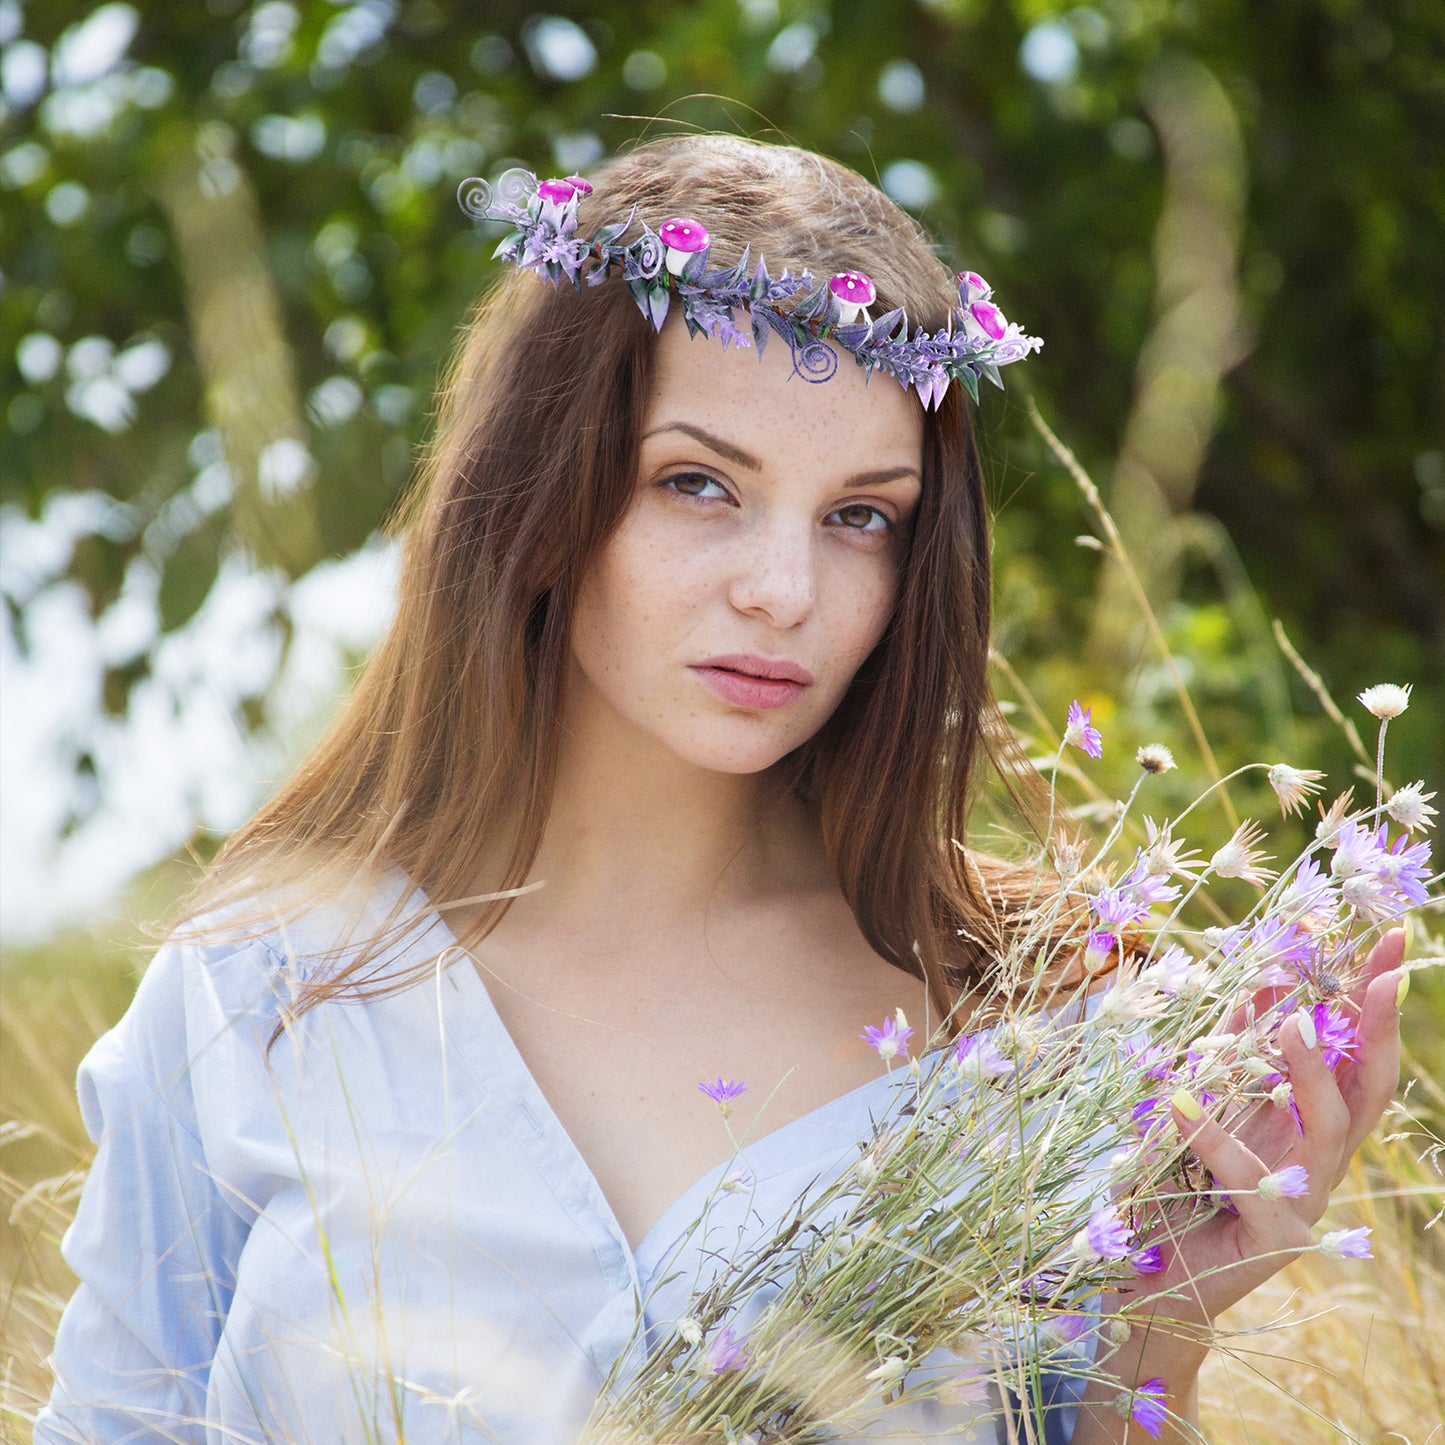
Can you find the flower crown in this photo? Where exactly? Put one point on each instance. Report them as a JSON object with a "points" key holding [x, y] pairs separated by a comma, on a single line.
{"points": [[673, 262]]}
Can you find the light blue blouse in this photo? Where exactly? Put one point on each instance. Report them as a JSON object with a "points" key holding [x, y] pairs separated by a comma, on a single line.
{"points": [[379, 1230]]}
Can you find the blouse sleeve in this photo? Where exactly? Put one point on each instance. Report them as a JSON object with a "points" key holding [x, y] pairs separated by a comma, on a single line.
{"points": [[154, 1241]]}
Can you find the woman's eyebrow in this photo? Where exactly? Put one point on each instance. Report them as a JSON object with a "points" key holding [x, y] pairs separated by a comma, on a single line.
{"points": [[739, 457], [723, 448]]}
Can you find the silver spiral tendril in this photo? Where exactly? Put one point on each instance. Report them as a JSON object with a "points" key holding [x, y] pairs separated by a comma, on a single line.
{"points": [[817, 361], [517, 186], [474, 196]]}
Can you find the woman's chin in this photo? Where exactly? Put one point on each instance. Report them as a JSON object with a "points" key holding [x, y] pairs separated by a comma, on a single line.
{"points": [[740, 756]]}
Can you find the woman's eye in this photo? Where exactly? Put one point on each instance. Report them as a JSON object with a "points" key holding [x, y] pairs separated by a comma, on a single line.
{"points": [[860, 517], [691, 484]]}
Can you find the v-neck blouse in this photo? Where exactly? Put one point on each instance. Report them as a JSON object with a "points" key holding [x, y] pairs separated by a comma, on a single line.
{"points": [[379, 1229]]}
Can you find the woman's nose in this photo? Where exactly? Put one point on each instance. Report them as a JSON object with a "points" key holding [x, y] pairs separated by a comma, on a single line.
{"points": [[776, 572]]}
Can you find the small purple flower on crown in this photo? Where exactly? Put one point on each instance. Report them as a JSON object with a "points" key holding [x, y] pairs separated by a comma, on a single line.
{"points": [[855, 293], [684, 238], [559, 201]]}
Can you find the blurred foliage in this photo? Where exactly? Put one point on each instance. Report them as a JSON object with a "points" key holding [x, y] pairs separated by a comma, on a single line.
{"points": [[234, 263]]}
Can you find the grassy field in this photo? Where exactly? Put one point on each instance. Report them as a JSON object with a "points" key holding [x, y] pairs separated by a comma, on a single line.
{"points": [[1330, 1351]]}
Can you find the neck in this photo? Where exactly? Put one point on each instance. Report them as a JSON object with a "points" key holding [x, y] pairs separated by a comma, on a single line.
{"points": [[639, 839]]}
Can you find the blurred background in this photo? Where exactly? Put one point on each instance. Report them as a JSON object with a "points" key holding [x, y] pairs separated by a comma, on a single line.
{"points": [[233, 264]]}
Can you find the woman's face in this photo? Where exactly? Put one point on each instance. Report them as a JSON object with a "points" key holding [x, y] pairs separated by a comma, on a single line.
{"points": [[769, 521]]}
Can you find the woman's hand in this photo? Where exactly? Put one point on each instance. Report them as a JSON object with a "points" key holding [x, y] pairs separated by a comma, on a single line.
{"points": [[1215, 1262], [1218, 1261]]}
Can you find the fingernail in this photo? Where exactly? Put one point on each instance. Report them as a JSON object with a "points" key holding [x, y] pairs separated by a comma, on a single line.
{"points": [[1401, 989], [1187, 1105], [1307, 1029]]}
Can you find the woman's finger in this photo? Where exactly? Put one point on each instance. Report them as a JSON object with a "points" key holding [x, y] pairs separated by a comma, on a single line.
{"points": [[1324, 1115], [1368, 1083], [1273, 1221]]}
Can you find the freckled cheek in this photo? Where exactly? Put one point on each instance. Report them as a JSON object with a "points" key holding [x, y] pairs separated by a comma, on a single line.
{"points": [[637, 608], [862, 613]]}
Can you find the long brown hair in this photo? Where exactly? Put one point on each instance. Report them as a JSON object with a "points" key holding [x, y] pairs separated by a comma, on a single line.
{"points": [[452, 728]]}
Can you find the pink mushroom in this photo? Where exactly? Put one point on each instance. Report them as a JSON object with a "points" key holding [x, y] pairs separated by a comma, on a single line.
{"points": [[559, 199], [684, 238], [855, 293], [989, 319]]}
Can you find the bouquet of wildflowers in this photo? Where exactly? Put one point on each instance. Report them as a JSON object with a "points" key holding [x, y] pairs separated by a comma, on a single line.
{"points": [[1029, 1169]]}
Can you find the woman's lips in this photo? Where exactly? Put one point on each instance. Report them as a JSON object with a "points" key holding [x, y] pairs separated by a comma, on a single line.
{"points": [[749, 680]]}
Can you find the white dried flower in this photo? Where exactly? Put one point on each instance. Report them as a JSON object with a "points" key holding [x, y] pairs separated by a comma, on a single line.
{"points": [[1213, 1043], [1410, 807], [1281, 1095], [1069, 857], [1175, 972], [1128, 1002], [1154, 758], [1328, 827], [1168, 854], [1019, 1038], [689, 1330], [867, 1170], [1239, 858], [1386, 700], [1118, 1331], [893, 1367], [1293, 785], [1366, 894]]}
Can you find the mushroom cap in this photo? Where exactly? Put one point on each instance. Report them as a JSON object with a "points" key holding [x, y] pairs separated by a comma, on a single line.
{"points": [[990, 318], [854, 287], [558, 192], [682, 233]]}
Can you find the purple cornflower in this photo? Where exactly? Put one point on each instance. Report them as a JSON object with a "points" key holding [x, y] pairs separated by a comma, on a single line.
{"points": [[1404, 867], [1273, 943], [1147, 1408], [1308, 893], [727, 1351], [977, 1057], [1064, 1329], [1288, 1183], [722, 1092], [1150, 1059], [1081, 733], [1149, 1260], [1347, 1244], [1145, 884], [1336, 1033], [1107, 1235], [1149, 1114], [891, 1040], [1098, 949], [1357, 850], [1117, 906]]}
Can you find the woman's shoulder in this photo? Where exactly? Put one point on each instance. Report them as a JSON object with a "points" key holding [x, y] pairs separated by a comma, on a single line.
{"points": [[251, 956]]}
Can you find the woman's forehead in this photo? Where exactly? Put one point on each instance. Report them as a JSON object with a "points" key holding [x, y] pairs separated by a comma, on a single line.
{"points": [[735, 393]]}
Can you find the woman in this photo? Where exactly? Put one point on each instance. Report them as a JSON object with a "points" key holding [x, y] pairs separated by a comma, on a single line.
{"points": [[650, 782]]}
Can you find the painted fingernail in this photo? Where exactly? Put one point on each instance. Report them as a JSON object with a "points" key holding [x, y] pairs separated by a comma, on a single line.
{"points": [[1187, 1105], [1307, 1029], [1401, 989]]}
